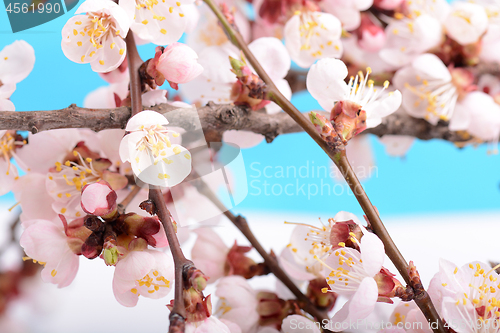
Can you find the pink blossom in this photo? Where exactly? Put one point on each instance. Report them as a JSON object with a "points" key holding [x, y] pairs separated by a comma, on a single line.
{"points": [[371, 37], [428, 88], [96, 37], [408, 315], [360, 268], [16, 62], [161, 22], [347, 11], [56, 245], [299, 324], [325, 82], [209, 253], [387, 4], [466, 22], [470, 291], [312, 35], [478, 114], [145, 273], [237, 303], [407, 38]]}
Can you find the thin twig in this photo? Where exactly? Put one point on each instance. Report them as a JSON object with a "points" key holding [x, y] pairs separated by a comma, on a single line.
{"points": [[340, 159], [241, 223], [125, 202], [180, 261]]}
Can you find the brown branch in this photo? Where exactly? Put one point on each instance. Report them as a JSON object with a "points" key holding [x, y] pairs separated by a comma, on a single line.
{"points": [[215, 119], [177, 317], [241, 223], [134, 63], [178, 313]]}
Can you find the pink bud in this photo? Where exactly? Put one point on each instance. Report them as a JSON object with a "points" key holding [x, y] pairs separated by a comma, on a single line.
{"points": [[387, 4], [99, 199], [371, 37], [177, 63]]}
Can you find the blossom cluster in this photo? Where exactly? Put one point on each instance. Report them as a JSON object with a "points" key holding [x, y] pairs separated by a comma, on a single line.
{"points": [[361, 61]]}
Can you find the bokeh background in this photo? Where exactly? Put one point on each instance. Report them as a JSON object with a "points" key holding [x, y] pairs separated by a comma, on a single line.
{"points": [[433, 177]]}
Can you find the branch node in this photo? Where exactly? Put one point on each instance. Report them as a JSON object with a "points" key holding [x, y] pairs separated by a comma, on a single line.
{"points": [[177, 323]]}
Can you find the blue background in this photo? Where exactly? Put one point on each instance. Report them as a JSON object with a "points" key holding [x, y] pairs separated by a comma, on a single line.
{"points": [[435, 176]]}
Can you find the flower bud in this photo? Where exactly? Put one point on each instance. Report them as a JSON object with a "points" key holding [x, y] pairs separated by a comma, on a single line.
{"points": [[177, 63], [387, 4], [237, 263], [99, 199], [388, 285], [349, 119], [371, 37], [316, 292], [324, 128], [249, 90]]}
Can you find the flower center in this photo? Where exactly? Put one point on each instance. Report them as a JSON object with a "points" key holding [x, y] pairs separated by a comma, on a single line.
{"points": [[7, 148], [151, 284], [155, 140], [440, 96], [484, 294], [99, 28], [76, 175], [349, 273]]}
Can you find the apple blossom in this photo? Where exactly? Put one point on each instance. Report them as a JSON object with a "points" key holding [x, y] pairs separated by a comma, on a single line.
{"points": [[479, 114], [158, 22], [154, 159], [308, 242], [466, 22], [142, 272], [354, 106], [16, 62], [408, 315], [299, 324], [408, 38], [237, 303], [208, 32], [470, 296], [96, 37], [348, 11], [209, 253], [55, 245], [430, 91], [312, 35], [352, 273]]}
